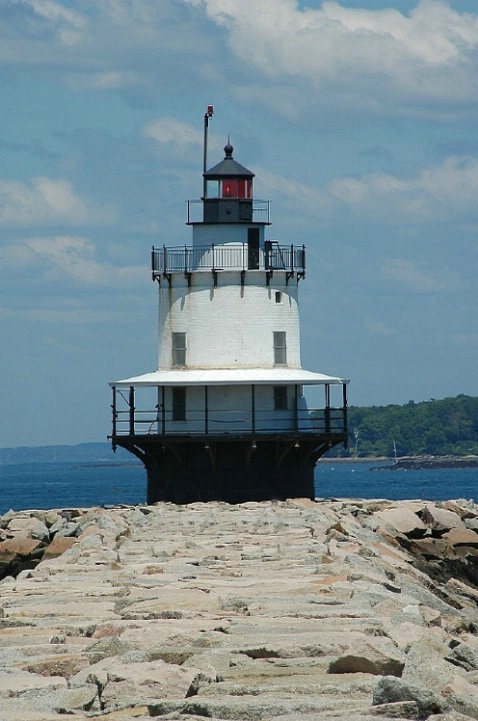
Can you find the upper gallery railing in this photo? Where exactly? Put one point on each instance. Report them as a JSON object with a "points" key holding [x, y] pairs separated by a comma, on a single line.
{"points": [[261, 210], [234, 256]]}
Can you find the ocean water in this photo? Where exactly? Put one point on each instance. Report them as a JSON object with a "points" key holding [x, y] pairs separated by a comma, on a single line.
{"points": [[70, 485]]}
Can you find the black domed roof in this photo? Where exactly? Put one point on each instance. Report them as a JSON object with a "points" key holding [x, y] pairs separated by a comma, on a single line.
{"points": [[228, 167]]}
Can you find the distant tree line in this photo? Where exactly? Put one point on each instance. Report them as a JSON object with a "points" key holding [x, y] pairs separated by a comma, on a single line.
{"points": [[434, 427]]}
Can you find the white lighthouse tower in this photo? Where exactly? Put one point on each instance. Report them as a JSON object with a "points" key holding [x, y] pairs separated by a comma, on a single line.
{"points": [[224, 416]]}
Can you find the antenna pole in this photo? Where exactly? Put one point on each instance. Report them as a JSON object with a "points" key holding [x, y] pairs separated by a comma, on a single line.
{"points": [[208, 114]]}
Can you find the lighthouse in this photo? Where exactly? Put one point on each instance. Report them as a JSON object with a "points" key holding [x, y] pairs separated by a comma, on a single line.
{"points": [[225, 415]]}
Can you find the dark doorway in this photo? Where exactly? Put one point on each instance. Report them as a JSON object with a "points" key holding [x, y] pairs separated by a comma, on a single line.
{"points": [[253, 248]]}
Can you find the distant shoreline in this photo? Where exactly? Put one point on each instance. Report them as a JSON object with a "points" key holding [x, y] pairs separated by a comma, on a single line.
{"points": [[411, 463]]}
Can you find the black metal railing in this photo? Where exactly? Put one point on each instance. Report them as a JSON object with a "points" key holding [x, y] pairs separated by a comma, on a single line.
{"points": [[261, 210], [135, 422], [235, 256]]}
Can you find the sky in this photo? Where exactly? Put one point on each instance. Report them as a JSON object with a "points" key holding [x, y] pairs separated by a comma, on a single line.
{"points": [[359, 119]]}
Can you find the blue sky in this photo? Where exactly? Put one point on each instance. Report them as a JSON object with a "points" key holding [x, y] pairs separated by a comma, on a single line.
{"points": [[360, 122]]}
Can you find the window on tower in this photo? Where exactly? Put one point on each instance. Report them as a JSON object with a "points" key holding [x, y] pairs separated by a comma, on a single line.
{"points": [[230, 188], [280, 348], [179, 349], [179, 404], [280, 398], [212, 188]]}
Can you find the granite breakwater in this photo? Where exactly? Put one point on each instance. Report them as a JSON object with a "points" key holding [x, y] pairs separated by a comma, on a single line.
{"points": [[281, 610]]}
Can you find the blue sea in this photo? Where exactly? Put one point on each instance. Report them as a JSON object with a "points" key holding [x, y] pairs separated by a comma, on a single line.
{"points": [[70, 485]]}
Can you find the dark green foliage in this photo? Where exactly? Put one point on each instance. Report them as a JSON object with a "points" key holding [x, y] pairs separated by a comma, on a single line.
{"points": [[438, 428]]}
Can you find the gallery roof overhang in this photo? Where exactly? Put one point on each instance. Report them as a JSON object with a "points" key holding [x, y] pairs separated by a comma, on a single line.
{"points": [[229, 377]]}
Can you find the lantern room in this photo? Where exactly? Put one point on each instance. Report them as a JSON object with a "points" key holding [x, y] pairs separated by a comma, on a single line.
{"points": [[228, 191]]}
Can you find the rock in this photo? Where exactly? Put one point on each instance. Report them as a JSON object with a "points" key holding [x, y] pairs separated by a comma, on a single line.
{"points": [[50, 517], [449, 716], [7, 517], [58, 546], [471, 523], [246, 612], [464, 656], [127, 684], [426, 665], [106, 647], [403, 520], [441, 520], [379, 659], [63, 700], [65, 665], [40, 531], [18, 546], [462, 696], [390, 690], [14, 683], [398, 709], [62, 527], [461, 537], [20, 526]]}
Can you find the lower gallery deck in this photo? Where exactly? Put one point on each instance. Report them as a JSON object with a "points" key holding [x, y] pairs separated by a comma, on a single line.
{"points": [[242, 443]]}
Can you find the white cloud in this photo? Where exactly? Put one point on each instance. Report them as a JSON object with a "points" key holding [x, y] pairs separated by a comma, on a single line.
{"points": [[33, 29], [100, 37], [378, 328], [439, 192], [380, 58], [171, 131], [109, 80], [177, 137], [376, 61], [68, 256], [44, 201], [416, 279], [77, 315]]}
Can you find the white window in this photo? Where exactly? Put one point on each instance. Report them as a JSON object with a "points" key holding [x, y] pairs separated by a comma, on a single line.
{"points": [[280, 348], [179, 349]]}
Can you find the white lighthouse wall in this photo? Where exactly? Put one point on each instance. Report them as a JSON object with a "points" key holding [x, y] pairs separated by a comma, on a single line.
{"points": [[230, 325], [205, 234], [230, 410]]}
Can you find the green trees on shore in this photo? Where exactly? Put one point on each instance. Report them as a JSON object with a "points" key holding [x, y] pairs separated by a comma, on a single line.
{"points": [[434, 427]]}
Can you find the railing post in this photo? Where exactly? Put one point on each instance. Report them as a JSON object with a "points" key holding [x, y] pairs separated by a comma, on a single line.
{"points": [[113, 406], [292, 258], [165, 259], [327, 408], [296, 410], [163, 411], [131, 410], [206, 411], [253, 409], [344, 395]]}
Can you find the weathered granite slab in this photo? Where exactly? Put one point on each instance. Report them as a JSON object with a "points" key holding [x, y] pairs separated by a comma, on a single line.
{"points": [[331, 610]]}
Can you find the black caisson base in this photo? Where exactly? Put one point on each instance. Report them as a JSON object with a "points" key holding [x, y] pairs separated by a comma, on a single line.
{"points": [[181, 470]]}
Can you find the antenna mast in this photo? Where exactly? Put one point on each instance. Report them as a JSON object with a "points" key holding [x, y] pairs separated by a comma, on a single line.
{"points": [[208, 114]]}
